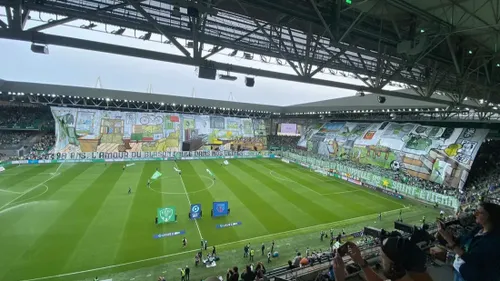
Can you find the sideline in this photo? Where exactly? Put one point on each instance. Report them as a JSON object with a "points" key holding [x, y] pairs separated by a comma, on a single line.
{"points": [[325, 225]]}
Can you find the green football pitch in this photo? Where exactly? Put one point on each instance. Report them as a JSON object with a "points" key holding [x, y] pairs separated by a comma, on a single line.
{"points": [[74, 221]]}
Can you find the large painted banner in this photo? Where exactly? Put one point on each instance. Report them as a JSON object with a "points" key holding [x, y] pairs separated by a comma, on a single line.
{"points": [[438, 154], [359, 176], [101, 157], [89, 130]]}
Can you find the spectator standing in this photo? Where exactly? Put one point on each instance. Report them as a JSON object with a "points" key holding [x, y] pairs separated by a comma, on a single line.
{"points": [[248, 274], [477, 253]]}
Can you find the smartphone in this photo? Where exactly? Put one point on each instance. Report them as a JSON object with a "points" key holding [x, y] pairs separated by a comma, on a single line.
{"points": [[342, 250], [441, 223]]}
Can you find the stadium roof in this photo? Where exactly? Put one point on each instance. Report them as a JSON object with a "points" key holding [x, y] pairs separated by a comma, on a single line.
{"points": [[447, 46], [369, 101], [98, 93]]}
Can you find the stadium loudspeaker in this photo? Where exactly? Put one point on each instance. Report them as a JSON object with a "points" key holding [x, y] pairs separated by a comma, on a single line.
{"points": [[207, 73], [249, 81]]}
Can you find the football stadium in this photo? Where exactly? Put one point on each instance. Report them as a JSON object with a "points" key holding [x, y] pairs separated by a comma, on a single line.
{"points": [[363, 143]]}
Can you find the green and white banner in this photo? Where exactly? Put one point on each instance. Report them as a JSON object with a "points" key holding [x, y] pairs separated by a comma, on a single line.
{"points": [[156, 175], [166, 214], [377, 180], [166, 155]]}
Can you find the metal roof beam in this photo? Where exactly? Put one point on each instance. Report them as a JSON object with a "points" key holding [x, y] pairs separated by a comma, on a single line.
{"points": [[70, 18], [140, 53], [158, 27]]}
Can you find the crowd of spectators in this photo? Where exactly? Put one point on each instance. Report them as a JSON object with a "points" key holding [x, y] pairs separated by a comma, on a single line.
{"points": [[45, 143], [485, 172], [12, 137], [285, 142], [25, 116]]}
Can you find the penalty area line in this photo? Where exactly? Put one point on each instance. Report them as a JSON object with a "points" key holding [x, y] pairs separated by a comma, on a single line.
{"points": [[318, 226], [27, 191]]}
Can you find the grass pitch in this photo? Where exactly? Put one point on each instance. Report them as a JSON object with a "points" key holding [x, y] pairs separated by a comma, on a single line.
{"points": [[73, 221]]}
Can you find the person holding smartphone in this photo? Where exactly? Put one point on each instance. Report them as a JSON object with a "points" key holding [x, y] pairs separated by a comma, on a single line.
{"points": [[477, 254]]}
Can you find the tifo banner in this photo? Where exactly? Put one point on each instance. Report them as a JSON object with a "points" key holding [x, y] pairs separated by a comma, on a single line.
{"points": [[97, 157], [373, 180], [166, 214], [122, 156], [438, 154], [89, 130]]}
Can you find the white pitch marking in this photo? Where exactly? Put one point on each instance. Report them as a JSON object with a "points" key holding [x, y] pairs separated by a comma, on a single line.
{"points": [[292, 181], [8, 191], [360, 189], [342, 192], [183, 193], [189, 200], [28, 191], [319, 226]]}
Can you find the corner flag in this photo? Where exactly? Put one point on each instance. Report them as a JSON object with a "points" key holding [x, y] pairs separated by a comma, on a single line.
{"points": [[156, 175]]}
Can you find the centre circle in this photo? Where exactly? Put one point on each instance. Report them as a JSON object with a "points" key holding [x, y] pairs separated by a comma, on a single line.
{"points": [[207, 184]]}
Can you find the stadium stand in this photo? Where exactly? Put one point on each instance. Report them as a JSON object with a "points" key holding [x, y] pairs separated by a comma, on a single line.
{"points": [[26, 131], [317, 265], [21, 116], [12, 139], [285, 142]]}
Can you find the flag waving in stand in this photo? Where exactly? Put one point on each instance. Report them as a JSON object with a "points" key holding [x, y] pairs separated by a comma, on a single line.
{"points": [[156, 175]]}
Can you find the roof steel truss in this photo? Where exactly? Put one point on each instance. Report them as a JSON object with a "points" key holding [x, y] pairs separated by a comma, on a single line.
{"points": [[311, 38]]}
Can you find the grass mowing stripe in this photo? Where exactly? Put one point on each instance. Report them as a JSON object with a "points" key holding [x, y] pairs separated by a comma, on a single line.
{"points": [[56, 241], [18, 179], [367, 191], [351, 204], [102, 238], [229, 258], [317, 179], [207, 224], [341, 201], [15, 249], [136, 244], [293, 214], [265, 213], [305, 204]]}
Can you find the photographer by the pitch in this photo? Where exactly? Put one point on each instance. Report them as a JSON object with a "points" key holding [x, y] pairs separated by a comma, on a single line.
{"points": [[478, 253]]}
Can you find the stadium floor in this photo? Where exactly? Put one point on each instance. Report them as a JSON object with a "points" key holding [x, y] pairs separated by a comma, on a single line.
{"points": [[72, 221]]}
